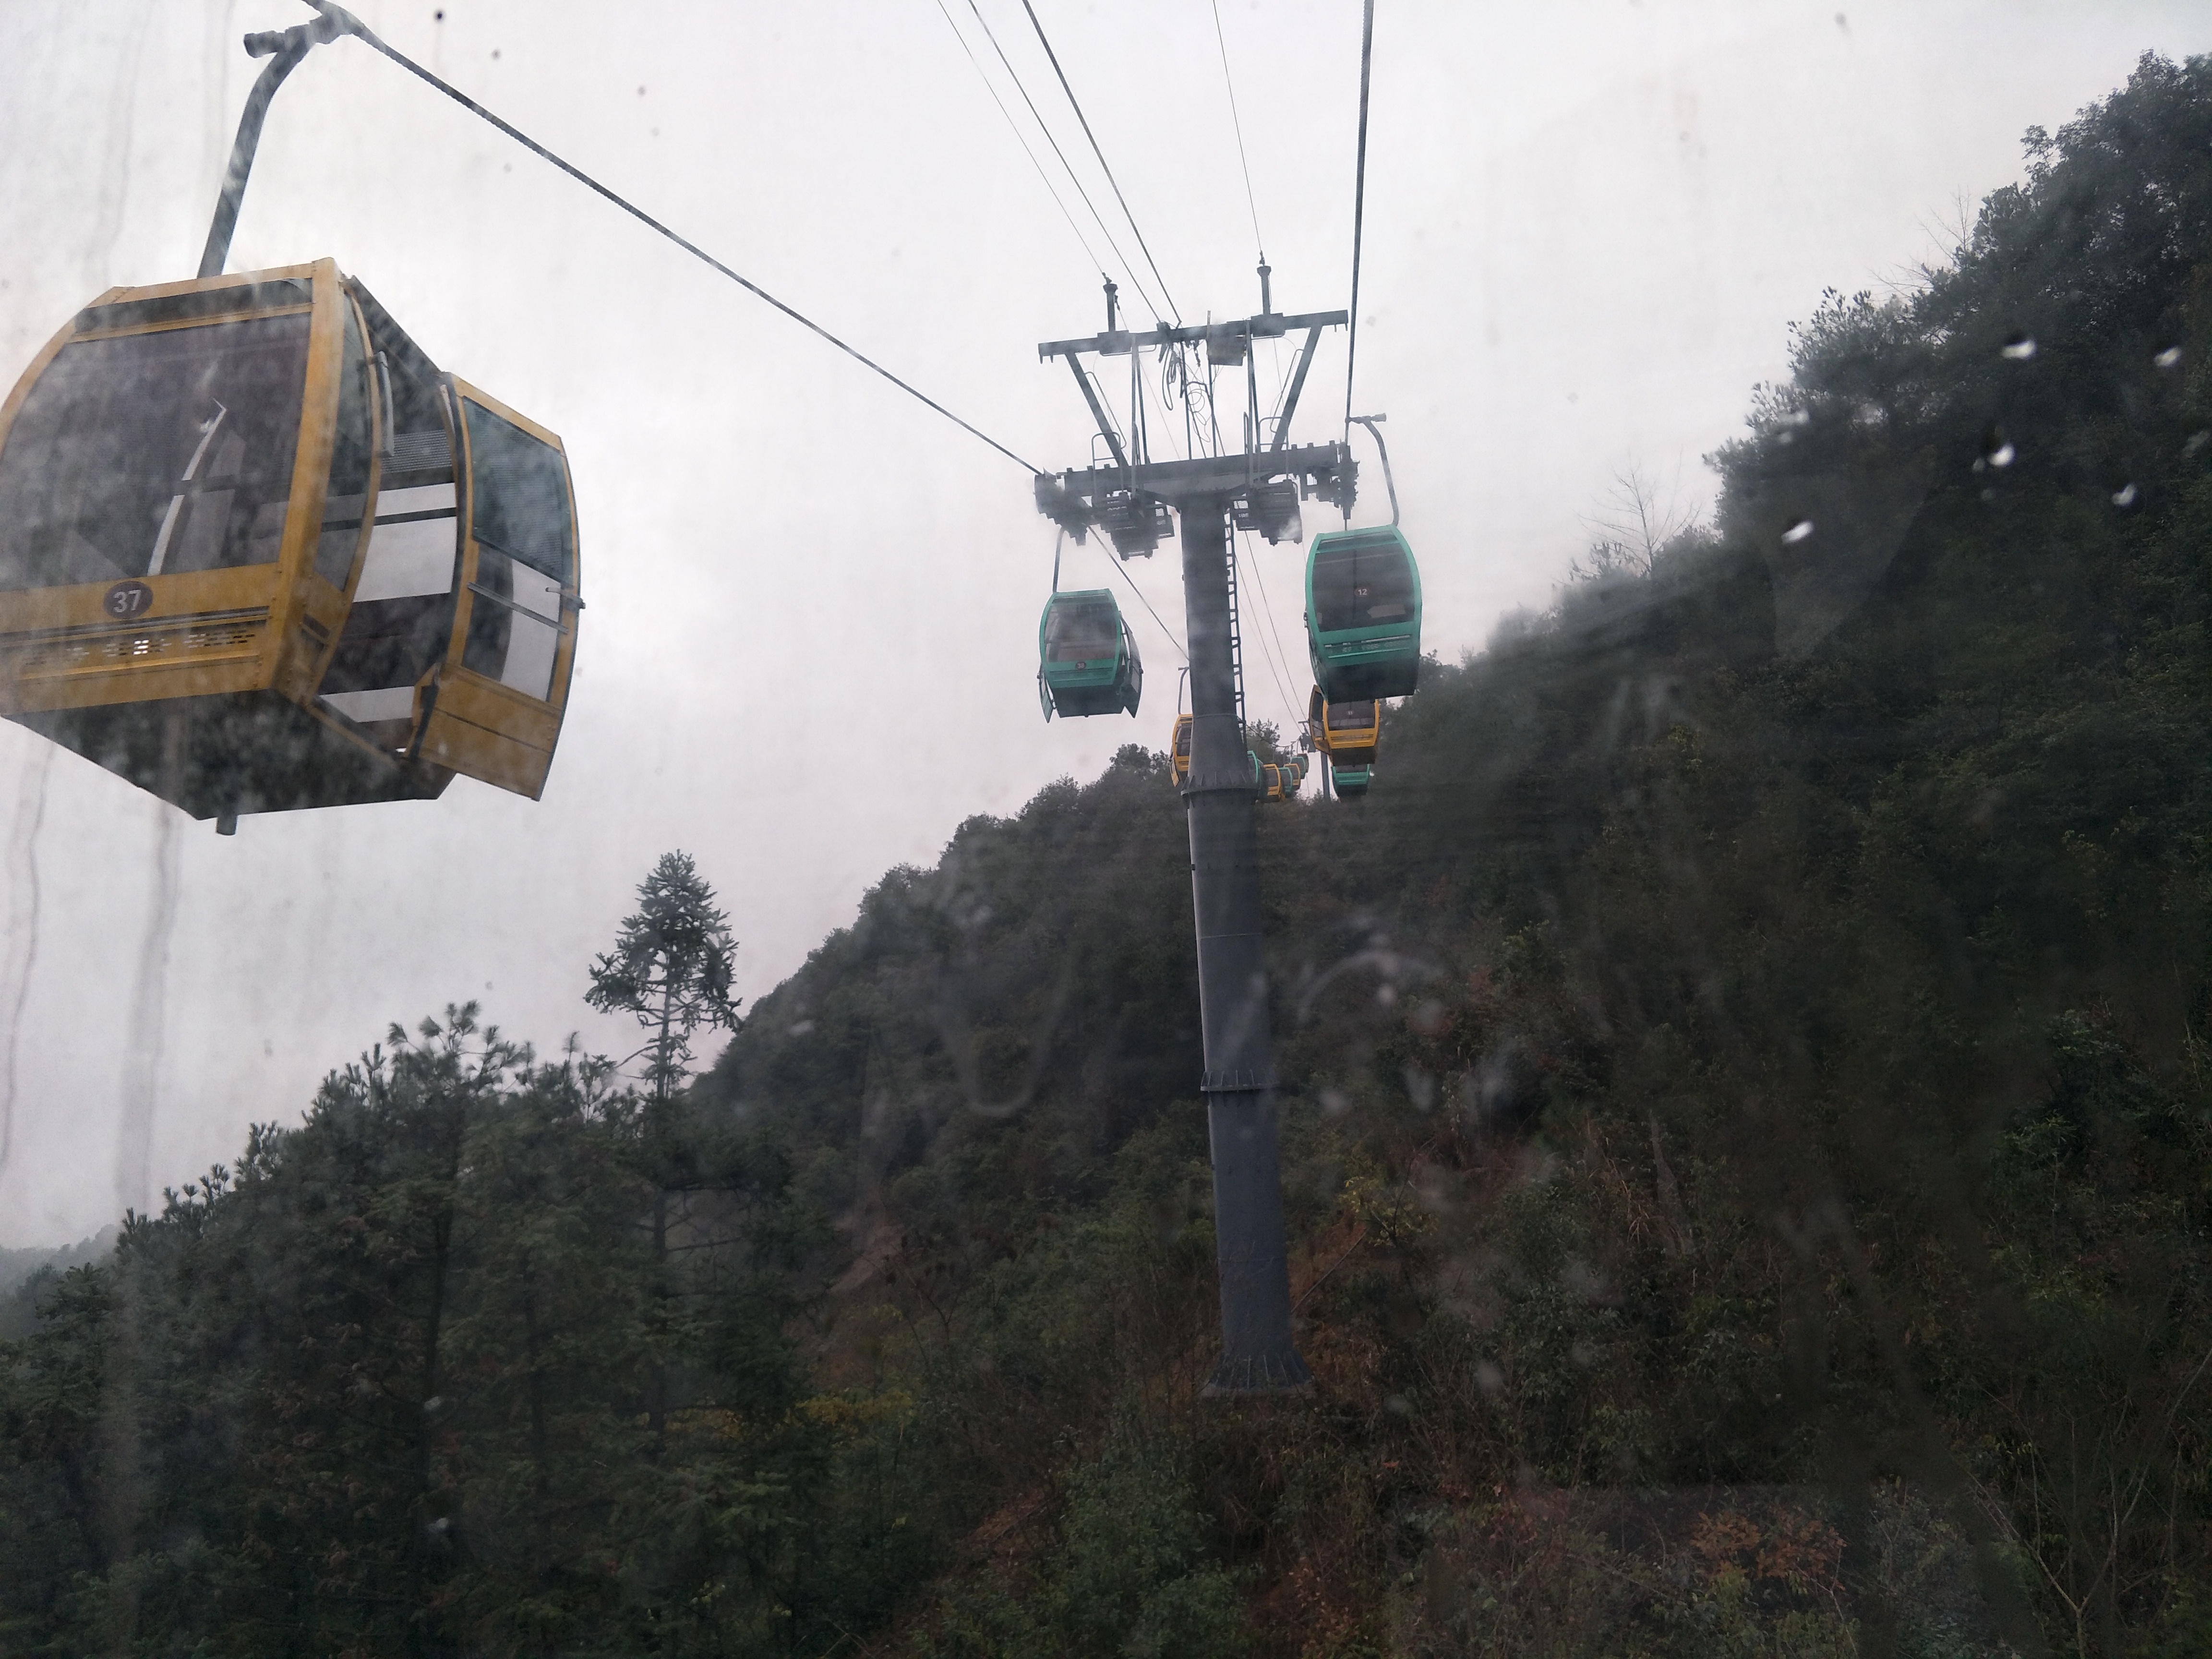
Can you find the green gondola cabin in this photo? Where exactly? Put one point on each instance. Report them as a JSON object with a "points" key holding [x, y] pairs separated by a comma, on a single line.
{"points": [[1087, 662], [1364, 614]]}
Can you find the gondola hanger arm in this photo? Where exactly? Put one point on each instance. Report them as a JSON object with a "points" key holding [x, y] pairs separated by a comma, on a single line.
{"points": [[288, 46], [1373, 423], [285, 48]]}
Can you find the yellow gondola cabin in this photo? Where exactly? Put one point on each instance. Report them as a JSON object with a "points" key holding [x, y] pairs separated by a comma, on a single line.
{"points": [[257, 553]]}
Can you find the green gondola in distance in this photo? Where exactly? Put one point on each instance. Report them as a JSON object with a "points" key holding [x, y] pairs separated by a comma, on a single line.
{"points": [[1351, 780], [1087, 662], [1364, 614]]}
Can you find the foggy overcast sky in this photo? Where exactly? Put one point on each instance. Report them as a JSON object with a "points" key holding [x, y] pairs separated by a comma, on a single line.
{"points": [[810, 643]]}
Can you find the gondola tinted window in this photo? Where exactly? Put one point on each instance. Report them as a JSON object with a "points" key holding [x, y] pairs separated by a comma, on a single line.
{"points": [[350, 463], [1083, 632], [519, 498], [1360, 585], [514, 623], [518, 502], [153, 453]]}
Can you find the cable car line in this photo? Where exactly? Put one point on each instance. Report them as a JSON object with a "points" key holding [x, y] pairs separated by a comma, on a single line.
{"points": [[1282, 655], [1358, 216], [1147, 603], [1237, 122], [1043, 178], [1101, 154], [1015, 76], [353, 25], [1270, 652]]}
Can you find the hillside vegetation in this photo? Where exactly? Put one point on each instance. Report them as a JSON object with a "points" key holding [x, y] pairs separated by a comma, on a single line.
{"points": [[1748, 1126]]}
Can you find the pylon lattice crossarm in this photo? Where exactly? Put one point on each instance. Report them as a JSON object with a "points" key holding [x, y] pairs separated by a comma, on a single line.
{"points": [[1267, 326], [1075, 498]]}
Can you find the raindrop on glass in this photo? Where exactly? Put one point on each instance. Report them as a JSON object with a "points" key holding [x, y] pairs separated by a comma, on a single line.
{"points": [[2124, 495], [1796, 533], [2018, 347], [2168, 358], [2001, 456]]}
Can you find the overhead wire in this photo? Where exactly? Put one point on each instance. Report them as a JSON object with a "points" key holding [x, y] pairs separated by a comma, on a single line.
{"points": [[1358, 218], [1101, 154], [1044, 177], [1014, 74], [1130, 582], [367, 38], [1274, 672], [1237, 122], [1280, 654]]}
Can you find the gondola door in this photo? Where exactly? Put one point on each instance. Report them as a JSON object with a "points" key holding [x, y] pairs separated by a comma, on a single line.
{"points": [[495, 711]]}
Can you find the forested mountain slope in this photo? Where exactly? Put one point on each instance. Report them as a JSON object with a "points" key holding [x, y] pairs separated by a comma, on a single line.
{"points": [[1747, 1132]]}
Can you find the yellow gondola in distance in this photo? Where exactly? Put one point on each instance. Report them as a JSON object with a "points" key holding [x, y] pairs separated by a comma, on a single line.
{"points": [[1345, 731], [1271, 781], [257, 553], [1179, 747]]}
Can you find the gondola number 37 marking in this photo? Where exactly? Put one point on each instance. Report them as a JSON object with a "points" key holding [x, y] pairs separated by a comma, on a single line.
{"points": [[129, 599]]}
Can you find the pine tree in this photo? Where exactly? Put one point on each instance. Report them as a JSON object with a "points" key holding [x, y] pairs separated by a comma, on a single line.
{"points": [[670, 969]]}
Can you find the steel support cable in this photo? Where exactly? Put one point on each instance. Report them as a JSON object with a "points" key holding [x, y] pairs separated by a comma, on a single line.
{"points": [[1266, 652], [1237, 122], [1043, 178], [1101, 154], [1358, 216], [1269, 654], [1130, 582], [1014, 76], [1277, 656], [1275, 674], [351, 25], [1282, 653]]}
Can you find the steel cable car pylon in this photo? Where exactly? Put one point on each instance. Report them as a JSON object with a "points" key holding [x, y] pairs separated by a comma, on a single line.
{"points": [[1262, 487]]}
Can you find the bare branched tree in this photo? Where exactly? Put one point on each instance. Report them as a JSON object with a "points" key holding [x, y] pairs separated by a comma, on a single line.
{"points": [[1952, 233], [1634, 522]]}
